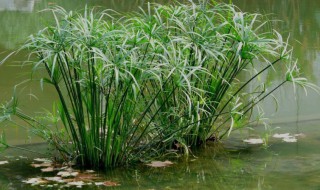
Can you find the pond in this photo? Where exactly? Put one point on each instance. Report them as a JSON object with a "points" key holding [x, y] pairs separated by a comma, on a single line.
{"points": [[280, 165]]}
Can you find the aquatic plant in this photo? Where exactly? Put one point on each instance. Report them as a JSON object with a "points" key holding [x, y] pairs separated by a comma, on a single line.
{"points": [[135, 87]]}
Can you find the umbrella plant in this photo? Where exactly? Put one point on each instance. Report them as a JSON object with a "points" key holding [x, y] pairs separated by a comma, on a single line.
{"points": [[135, 86]]}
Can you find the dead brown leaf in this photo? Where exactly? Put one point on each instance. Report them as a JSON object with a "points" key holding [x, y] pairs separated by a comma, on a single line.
{"points": [[55, 179], [110, 183], [35, 181], [45, 164], [64, 174], [77, 176], [87, 176], [159, 164], [76, 183], [42, 160]]}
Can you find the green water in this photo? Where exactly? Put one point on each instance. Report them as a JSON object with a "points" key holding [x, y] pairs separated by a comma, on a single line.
{"points": [[281, 165]]}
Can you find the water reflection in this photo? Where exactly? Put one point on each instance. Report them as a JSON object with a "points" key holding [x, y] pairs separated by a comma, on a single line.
{"points": [[17, 5], [300, 20], [281, 166], [196, 173]]}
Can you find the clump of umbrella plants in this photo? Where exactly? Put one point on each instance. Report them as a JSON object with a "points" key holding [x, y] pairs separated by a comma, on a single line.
{"points": [[133, 87]]}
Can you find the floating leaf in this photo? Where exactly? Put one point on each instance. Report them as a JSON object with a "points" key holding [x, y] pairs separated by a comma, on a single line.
{"points": [[158, 164], [110, 183], [253, 141], [4, 162], [280, 136], [45, 164], [87, 176], [286, 137], [35, 181], [64, 174], [300, 135], [76, 183], [98, 183], [289, 139], [74, 174], [55, 179], [42, 160], [64, 168], [48, 169]]}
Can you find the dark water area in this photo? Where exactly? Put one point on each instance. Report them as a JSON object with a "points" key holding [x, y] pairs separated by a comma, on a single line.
{"points": [[277, 165]]}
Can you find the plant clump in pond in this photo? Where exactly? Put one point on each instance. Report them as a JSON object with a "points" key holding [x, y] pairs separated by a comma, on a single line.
{"points": [[134, 87]]}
